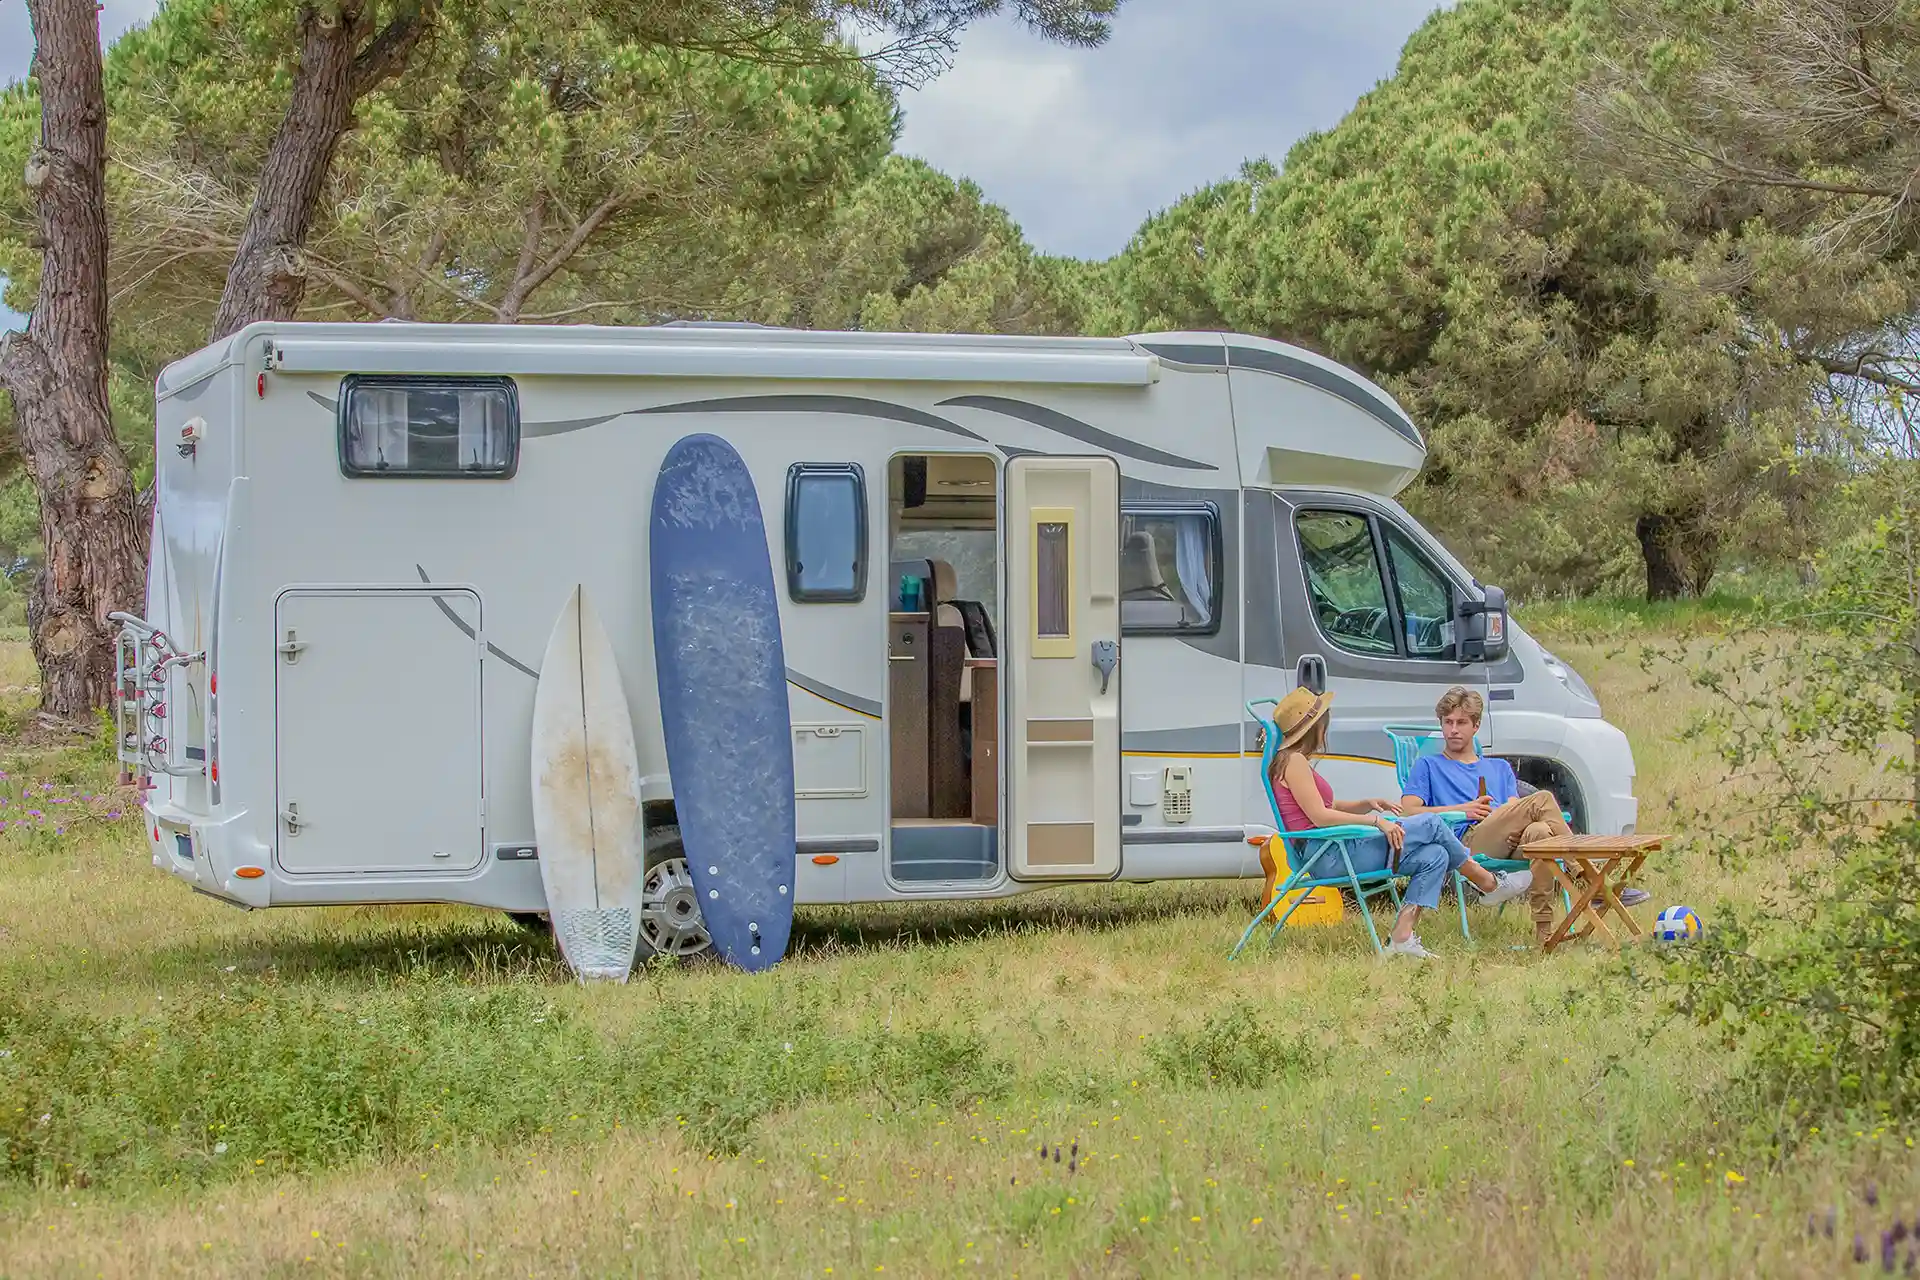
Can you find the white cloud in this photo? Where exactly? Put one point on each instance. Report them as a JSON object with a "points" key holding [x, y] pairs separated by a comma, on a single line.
{"points": [[1081, 144]]}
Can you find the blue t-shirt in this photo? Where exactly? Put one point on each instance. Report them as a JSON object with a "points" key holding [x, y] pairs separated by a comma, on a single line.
{"points": [[1439, 781]]}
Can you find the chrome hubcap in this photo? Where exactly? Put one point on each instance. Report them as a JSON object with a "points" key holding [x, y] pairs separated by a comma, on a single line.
{"points": [[670, 921]]}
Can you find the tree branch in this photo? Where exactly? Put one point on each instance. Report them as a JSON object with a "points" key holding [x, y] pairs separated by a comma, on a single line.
{"points": [[388, 52], [341, 282], [535, 220], [652, 306], [570, 246], [1858, 368]]}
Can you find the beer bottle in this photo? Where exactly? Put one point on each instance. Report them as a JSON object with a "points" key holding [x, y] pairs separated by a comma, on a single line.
{"points": [[1483, 786]]}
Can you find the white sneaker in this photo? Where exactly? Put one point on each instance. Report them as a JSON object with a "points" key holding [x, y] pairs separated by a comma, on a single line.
{"points": [[1508, 885], [1411, 947]]}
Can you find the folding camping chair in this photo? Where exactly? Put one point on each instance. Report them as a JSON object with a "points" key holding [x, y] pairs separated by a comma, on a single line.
{"points": [[1410, 742], [1302, 859]]}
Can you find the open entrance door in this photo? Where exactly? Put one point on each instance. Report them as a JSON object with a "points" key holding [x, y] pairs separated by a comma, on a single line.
{"points": [[1062, 653]]}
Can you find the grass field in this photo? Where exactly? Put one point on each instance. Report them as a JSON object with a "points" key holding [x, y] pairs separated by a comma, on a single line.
{"points": [[1068, 1084]]}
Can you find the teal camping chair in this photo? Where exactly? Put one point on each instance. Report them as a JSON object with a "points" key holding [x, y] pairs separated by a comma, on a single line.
{"points": [[1334, 842], [1410, 742]]}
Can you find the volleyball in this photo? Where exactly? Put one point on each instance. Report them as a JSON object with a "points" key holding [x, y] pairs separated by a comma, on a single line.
{"points": [[1677, 924]]}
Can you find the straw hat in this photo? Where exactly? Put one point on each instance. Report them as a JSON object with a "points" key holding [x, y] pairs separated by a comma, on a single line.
{"points": [[1296, 715]]}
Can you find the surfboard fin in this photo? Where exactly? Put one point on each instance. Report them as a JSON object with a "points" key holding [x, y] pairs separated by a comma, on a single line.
{"points": [[598, 944]]}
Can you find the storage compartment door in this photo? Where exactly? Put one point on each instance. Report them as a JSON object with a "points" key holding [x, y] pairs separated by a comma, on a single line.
{"points": [[377, 731], [1062, 742]]}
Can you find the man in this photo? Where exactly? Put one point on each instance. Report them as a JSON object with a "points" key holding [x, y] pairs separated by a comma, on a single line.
{"points": [[1503, 819]]}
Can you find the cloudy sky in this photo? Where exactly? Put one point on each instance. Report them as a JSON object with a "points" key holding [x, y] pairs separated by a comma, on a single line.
{"points": [[1081, 144]]}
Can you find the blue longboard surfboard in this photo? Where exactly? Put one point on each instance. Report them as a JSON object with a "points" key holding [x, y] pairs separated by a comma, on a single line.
{"points": [[723, 697]]}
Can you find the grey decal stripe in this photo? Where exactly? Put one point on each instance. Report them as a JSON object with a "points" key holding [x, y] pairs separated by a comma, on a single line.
{"points": [[535, 430], [1359, 744], [1206, 740], [802, 848], [1372, 403], [461, 623], [1442, 675], [839, 844], [1508, 670], [1015, 451], [1188, 835], [528, 430], [1053, 420], [1227, 740], [1188, 353], [839, 697], [856, 406]]}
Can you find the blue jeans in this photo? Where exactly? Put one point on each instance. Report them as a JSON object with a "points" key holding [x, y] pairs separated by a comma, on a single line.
{"points": [[1430, 854]]}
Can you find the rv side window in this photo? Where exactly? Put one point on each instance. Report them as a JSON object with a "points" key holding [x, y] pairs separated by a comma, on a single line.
{"points": [[434, 427], [826, 533], [1425, 597], [1169, 570], [1345, 584]]}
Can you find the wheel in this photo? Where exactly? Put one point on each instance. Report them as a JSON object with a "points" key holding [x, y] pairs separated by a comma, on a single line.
{"points": [[670, 923], [529, 919]]}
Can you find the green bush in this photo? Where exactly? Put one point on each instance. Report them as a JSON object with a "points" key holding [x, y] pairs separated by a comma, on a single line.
{"points": [[1816, 713], [258, 1076], [1234, 1046], [1826, 1005]]}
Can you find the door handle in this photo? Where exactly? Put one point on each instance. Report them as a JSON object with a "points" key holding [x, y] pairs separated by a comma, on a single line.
{"points": [[291, 816], [1106, 656], [1310, 673]]}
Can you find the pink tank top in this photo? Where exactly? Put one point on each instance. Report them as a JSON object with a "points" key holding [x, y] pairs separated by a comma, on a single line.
{"points": [[1290, 811]]}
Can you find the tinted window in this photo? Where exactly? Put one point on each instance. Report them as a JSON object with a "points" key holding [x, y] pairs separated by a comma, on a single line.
{"points": [[1345, 585], [462, 427], [826, 533], [1169, 570], [1425, 596], [1053, 581]]}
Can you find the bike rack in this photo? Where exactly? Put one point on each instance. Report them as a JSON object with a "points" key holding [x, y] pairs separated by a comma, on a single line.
{"points": [[143, 658]]}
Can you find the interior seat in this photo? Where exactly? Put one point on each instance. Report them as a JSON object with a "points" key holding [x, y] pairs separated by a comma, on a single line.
{"points": [[1146, 598], [947, 612]]}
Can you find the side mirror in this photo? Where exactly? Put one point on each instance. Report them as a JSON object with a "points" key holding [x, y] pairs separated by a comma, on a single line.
{"points": [[1483, 627]]}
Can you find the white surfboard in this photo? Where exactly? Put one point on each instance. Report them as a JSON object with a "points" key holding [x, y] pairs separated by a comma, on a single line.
{"points": [[586, 798]]}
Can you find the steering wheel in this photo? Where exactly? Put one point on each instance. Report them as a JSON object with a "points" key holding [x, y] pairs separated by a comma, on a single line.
{"points": [[1360, 622]]}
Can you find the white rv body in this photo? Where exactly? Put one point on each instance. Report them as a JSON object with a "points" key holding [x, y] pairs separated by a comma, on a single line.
{"points": [[357, 652]]}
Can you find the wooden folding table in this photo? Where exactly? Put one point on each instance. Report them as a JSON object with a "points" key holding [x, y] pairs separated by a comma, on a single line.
{"points": [[1591, 869]]}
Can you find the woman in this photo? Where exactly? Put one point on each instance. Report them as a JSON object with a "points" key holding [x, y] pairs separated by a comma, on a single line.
{"points": [[1422, 847]]}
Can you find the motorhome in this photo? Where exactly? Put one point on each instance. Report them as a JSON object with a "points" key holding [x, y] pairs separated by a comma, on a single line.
{"points": [[1027, 586]]}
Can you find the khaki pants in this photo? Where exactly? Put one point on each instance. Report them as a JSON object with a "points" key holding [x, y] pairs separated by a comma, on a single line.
{"points": [[1515, 823]]}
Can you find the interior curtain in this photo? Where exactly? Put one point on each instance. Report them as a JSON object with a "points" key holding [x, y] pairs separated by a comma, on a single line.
{"points": [[385, 416], [480, 436], [1192, 551]]}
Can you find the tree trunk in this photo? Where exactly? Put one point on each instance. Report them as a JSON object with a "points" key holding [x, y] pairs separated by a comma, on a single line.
{"points": [[1909, 547], [267, 279], [56, 373], [1681, 553]]}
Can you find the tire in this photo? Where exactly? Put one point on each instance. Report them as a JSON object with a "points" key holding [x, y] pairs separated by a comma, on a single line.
{"points": [[670, 912], [675, 928]]}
